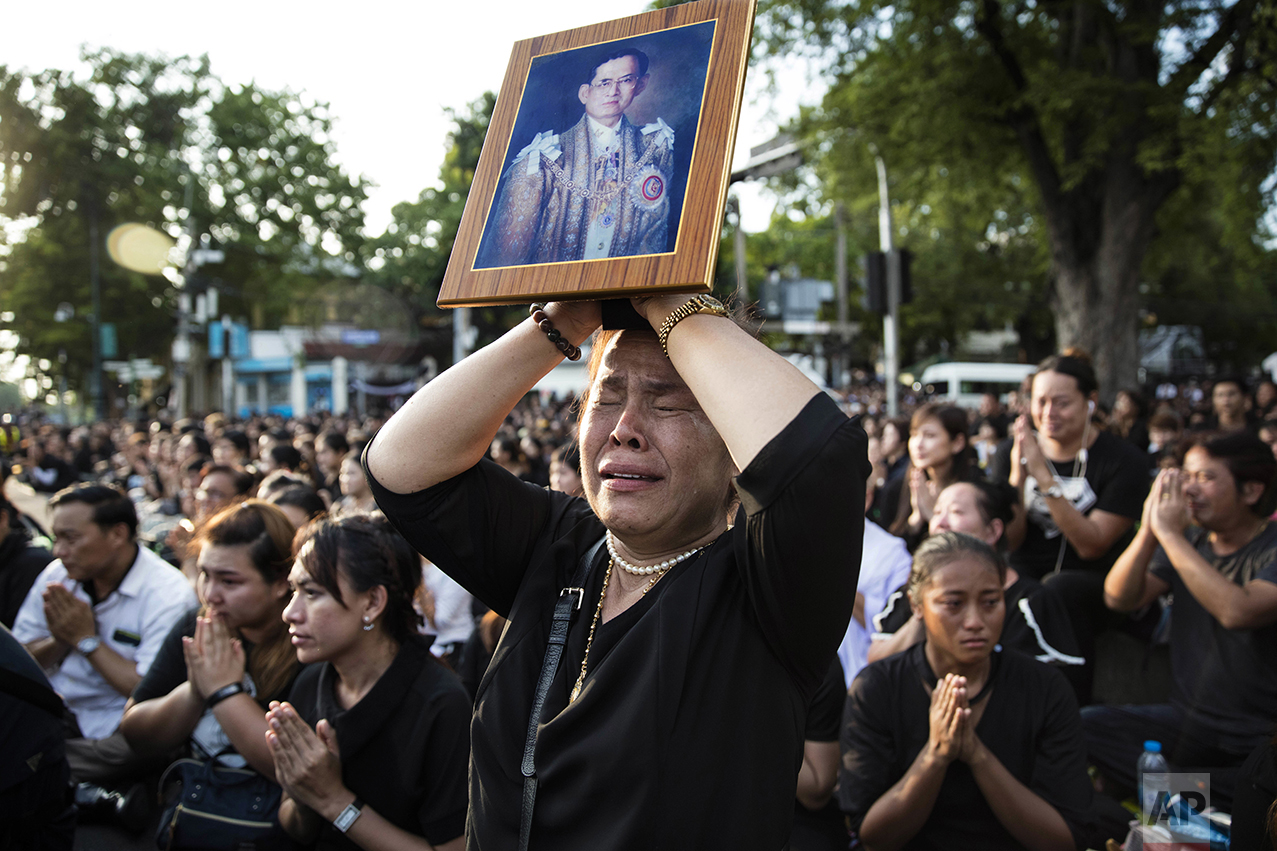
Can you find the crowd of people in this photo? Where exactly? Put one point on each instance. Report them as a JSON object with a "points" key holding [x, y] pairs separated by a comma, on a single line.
{"points": [[336, 620]]}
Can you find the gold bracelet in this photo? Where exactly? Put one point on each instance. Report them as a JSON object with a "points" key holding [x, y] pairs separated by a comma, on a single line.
{"points": [[696, 304]]}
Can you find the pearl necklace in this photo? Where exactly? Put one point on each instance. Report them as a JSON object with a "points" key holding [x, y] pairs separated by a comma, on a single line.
{"points": [[650, 569]]}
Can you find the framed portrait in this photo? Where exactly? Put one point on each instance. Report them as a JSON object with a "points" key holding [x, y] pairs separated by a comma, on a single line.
{"points": [[607, 160]]}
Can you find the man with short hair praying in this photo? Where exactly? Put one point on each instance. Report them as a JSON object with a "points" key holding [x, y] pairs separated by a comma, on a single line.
{"points": [[1206, 537]]}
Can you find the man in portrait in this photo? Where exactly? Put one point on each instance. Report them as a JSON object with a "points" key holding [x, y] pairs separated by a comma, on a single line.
{"points": [[600, 189]]}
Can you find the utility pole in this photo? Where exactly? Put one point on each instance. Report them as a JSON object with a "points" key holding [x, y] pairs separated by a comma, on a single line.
{"points": [[841, 283], [738, 248], [182, 342], [890, 322], [462, 334], [95, 283]]}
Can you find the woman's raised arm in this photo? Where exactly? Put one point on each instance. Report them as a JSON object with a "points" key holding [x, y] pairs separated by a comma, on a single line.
{"points": [[749, 392], [448, 425]]}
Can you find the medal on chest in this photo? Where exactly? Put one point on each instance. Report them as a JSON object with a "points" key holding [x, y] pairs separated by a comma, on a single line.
{"points": [[649, 190]]}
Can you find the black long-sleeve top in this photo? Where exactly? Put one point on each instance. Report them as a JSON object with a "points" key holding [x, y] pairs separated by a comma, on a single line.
{"points": [[689, 730], [1031, 725]]}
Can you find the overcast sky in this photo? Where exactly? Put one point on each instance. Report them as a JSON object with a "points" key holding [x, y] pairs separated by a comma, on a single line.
{"points": [[388, 70]]}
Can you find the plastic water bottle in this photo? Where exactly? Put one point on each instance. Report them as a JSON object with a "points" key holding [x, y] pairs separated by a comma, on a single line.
{"points": [[1150, 762]]}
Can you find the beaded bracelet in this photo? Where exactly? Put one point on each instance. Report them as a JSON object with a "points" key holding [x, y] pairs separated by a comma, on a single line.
{"points": [[538, 314]]}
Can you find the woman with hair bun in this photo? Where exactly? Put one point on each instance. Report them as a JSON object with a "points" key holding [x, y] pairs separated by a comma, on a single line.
{"points": [[222, 664], [372, 746], [957, 743]]}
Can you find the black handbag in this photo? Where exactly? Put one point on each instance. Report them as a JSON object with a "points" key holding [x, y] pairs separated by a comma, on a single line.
{"points": [[212, 807]]}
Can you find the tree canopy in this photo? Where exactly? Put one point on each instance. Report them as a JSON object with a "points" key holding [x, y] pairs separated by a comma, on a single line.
{"points": [[162, 142], [1066, 141]]}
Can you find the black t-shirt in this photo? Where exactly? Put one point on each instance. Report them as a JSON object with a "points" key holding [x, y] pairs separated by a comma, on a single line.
{"points": [[168, 671], [1226, 678], [21, 564], [1116, 480], [1037, 623], [689, 730], [1031, 725], [403, 746], [824, 829]]}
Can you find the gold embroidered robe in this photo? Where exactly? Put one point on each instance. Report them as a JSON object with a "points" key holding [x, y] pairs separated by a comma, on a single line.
{"points": [[540, 218]]}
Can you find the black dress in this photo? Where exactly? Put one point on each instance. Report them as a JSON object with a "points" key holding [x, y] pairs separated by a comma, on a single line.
{"points": [[403, 746], [689, 730], [1031, 725]]}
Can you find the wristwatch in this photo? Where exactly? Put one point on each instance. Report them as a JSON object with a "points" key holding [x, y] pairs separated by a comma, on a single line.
{"points": [[88, 644], [223, 693], [347, 816], [696, 304], [1054, 491]]}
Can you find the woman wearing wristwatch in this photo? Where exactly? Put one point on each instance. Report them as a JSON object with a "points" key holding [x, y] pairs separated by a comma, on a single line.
{"points": [[223, 663], [377, 719]]}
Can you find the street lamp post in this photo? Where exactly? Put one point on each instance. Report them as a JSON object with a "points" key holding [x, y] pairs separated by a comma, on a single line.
{"points": [[95, 283], [890, 322]]}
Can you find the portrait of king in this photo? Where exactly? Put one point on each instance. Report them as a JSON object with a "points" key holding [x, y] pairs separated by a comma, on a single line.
{"points": [[600, 189]]}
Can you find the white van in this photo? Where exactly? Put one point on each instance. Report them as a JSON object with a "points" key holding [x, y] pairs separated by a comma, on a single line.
{"points": [[963, 383]]}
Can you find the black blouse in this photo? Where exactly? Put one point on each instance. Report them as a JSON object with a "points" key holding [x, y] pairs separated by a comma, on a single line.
{"points": [[1031, 725], [403, 746], [689, 730]]}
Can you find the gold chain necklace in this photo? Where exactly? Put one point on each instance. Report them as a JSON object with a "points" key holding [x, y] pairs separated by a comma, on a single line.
{"points": [[594, 622], [589, 640], [609, 194]]}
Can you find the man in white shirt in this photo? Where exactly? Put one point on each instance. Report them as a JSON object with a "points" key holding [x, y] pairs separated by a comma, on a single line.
{"points": [[95, 620]]}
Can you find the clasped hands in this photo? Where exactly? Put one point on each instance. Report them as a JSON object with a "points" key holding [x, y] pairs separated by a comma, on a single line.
{"points": [[307, 762], [1029, 452], [69, 618], [922, 495], [953, 735], [1166, 511], [214, 657]]}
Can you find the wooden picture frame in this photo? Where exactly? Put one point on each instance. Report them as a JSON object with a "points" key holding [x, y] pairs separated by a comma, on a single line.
{"points": [[561, 207]]}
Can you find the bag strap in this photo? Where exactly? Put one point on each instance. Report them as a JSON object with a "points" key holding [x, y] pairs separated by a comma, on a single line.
{"points": [[568, 603], [27, 689]]}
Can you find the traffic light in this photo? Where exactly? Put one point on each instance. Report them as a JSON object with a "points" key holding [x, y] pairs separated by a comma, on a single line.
{"points": [[876, 280]]}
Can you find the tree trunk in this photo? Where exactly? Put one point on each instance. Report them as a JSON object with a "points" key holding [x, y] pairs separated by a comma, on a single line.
{"points": [[1097, 256]]}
